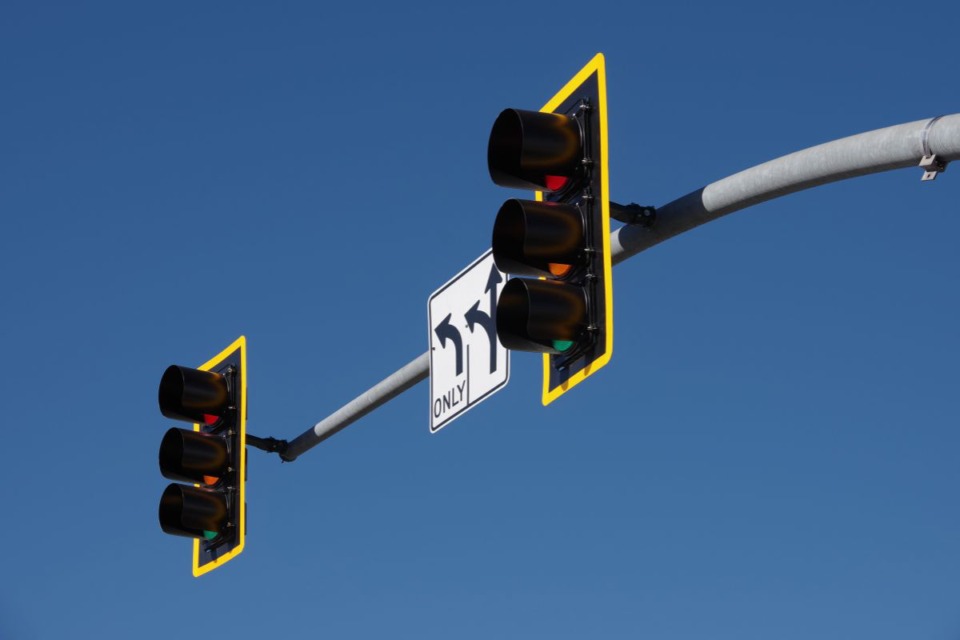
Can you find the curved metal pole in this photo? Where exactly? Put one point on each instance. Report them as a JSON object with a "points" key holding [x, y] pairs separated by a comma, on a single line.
{"points": [[895, 147]]}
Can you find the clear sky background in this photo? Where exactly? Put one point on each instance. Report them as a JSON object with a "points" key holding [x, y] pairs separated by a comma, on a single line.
{"points": [[771, 453]]}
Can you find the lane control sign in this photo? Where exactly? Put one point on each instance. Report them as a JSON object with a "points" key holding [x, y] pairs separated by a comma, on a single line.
{"points": [[467, 362]]}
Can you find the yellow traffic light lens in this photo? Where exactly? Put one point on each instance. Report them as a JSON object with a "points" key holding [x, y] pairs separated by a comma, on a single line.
{"points": [[559, 270]]}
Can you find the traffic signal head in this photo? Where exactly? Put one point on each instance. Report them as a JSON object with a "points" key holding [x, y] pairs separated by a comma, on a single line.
{"points": [[211, 456], [563, 237]]}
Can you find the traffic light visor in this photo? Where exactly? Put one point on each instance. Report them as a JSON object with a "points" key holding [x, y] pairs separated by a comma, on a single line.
{"points": [[534, 150], [541, 315], [193, 456], [532, 238], [191, 395], [192, 512]]}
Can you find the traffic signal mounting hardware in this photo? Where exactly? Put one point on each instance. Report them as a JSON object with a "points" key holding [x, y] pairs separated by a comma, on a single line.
{"points": [[561, 239], [211, 456]]}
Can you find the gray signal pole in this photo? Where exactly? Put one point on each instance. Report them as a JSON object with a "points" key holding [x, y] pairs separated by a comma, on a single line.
{"points": [[928, 144]]}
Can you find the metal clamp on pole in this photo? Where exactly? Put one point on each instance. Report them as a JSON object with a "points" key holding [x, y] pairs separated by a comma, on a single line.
{"points": [[930, 163], [633, 214]]}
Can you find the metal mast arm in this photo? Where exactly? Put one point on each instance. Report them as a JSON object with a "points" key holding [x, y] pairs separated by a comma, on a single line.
{"points": [[897, 147], [390, 387], [929, 144]]}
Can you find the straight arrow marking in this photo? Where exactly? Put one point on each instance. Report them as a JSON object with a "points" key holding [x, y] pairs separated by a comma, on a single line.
{"points": [[474, 316]]}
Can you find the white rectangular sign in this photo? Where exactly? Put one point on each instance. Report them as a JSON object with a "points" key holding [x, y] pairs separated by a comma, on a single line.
{"points": [[467, 362]]}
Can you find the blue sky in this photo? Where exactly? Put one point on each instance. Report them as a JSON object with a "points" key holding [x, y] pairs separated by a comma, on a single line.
{"points": [[771, 453]]}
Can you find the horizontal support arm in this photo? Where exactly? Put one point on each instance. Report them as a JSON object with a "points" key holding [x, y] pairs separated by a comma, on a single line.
{"points": [[896, 147], [390, 387]]}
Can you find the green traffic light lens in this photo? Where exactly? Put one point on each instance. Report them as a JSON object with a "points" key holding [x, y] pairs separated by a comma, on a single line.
{"points": [[209, 535], [562, 345]]}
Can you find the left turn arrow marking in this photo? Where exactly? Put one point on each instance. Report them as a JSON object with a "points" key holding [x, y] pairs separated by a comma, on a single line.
{"points": [[446, 331]]}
